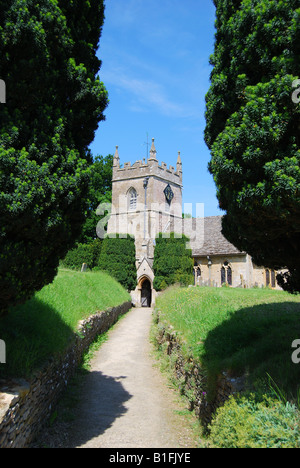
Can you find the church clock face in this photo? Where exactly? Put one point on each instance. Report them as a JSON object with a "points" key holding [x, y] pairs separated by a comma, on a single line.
{"points": [[169, 194]]}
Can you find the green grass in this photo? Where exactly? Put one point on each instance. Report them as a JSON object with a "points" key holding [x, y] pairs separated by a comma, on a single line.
{"points": [[238, 330], [44, 326]]}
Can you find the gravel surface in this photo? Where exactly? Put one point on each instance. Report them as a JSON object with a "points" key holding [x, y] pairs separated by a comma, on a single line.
{"points": [[124, 401]]}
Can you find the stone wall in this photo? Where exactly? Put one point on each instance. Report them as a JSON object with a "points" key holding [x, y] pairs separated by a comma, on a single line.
{"points": [[25, 406], [204, 396]]}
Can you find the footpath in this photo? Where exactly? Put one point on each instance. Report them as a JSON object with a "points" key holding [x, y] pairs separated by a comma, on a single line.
{"points": [[125, 401]]}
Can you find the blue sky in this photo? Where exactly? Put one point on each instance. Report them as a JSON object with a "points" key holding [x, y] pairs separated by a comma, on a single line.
{"points": [[155, 66]]}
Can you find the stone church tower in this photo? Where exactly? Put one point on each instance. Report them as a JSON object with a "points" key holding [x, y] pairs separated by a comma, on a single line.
{"points": [[146, 200]]}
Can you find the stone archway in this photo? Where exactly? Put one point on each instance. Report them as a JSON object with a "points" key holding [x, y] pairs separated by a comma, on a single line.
{"points": [[146, 293]]}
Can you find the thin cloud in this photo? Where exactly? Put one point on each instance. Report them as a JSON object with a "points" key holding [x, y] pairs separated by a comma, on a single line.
{"points": [[147, 95]]}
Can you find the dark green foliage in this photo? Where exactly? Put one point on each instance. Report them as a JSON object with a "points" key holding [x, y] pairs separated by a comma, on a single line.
{"points": [[100, 191], [83, 253], [54, 104], [253, 130], [118, 259], [172, 261]]}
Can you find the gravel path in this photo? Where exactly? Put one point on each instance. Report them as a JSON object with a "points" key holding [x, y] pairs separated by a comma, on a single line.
{"points": [[125, 402]]}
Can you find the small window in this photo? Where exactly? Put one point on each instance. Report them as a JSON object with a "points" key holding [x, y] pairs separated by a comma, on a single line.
{"points": [[273, 279], [223, 275], [229, 276], [132, 198], [267, 277], [270, 278], [226, 274]]}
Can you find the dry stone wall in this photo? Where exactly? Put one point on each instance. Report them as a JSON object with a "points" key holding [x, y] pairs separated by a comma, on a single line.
{"points": [[204, 397], [25, 406]]}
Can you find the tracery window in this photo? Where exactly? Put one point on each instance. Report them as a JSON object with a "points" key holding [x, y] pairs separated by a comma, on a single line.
{"points": [[223, 275], [229, 276], [273, 279], [132, 199], [270, 278], [267, 277], [226, 274]]}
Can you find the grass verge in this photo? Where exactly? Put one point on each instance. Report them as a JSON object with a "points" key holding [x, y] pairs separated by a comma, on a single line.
{"points": [[44, 326], [238, 330], [242, 332]]}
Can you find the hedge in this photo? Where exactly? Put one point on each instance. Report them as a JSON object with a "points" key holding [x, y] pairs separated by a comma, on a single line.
{"points": [[83, 253], [118, 259], [172, 261]]}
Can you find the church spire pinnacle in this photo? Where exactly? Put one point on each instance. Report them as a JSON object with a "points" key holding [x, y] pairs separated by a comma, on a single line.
{"points": [[179, 165], [153, 152], [116, 162]]}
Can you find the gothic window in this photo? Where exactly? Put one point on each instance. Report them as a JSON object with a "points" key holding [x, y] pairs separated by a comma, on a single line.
{"points": [[273, 279], [223, 275], [270, 278], [132, 198], [267, 277], [229, 276], [226, 274]]}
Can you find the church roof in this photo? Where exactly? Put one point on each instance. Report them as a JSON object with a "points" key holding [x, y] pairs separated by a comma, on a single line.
{"points": [[206, 237]]}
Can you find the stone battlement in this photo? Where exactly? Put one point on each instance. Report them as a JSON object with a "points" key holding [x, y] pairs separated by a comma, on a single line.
{"points": [[143, 168]]}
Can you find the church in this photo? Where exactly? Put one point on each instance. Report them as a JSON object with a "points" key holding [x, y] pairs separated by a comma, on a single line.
{"points": [[147, 200]]}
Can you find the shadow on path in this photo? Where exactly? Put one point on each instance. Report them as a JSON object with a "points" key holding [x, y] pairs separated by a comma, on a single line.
{"points": [[122, 402], [99, 401]]}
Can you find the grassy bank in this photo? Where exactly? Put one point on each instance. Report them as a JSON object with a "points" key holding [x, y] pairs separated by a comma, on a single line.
{"points": [[242, 332], [238, 330], [45, 325]]}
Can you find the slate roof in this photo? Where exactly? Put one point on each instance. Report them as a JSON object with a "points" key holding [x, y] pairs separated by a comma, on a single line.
{"points": [[206, 237]]}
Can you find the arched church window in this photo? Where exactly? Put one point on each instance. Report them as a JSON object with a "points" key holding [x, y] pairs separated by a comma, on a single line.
{"points": [[226, 274], [267, 277], [223, 275], [229, 276], [132, 198], [270, 278], [273, 279]]}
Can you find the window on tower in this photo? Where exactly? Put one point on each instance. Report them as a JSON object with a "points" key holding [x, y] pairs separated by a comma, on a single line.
{"points": [[132, 198]]}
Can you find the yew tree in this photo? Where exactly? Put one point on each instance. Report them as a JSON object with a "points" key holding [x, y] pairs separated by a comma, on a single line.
{"points": [[117, 258], [253, 130], [173, 261], [99, 191], [54, 103]]}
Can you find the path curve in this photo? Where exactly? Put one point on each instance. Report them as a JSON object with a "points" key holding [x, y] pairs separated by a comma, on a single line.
{"points": [[125, 401]]}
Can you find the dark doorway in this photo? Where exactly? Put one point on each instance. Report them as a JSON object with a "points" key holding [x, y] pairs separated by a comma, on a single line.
{"points": [[146, 293]]}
